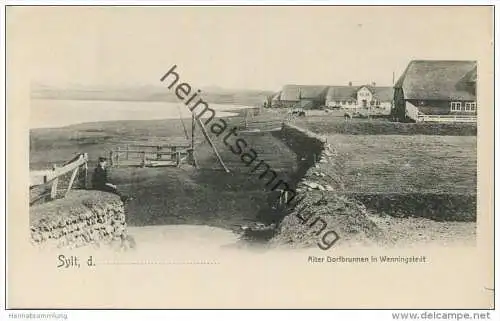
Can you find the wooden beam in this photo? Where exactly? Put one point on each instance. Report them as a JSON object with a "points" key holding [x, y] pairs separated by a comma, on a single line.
{"points": [[192, 131], [73, 175], [140, 151], [53, 188], [173, 153], [58, 171], [192, 157], [86, 171], [188, 145], [204, 131]]}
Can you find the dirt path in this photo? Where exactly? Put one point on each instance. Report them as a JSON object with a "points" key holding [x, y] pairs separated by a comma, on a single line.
{"points": [[415, 231], [195, 236]]}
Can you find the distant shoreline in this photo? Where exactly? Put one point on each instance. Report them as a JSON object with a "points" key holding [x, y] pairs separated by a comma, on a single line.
{"points": [[138, 99], [156, 94], [235, 112], [58, 113]]}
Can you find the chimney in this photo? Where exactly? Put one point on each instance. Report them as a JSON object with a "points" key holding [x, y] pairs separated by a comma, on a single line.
{"points": [[374, 84], [350, 83]]}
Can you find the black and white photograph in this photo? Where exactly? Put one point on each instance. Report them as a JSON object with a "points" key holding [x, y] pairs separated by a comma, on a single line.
{"points": [[331, 140]]}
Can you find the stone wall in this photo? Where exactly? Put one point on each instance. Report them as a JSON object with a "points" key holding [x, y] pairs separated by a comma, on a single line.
{"points": [[324, 216], [83, 218]]}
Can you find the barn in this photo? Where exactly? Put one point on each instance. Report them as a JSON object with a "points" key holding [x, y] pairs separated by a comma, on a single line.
{"points": [[303, 95], [437, 91]]}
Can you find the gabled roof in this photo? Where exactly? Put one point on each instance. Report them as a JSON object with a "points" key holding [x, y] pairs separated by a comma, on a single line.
{"points": [[382, 93], [297, 92], [341, 92], [438, 80]]}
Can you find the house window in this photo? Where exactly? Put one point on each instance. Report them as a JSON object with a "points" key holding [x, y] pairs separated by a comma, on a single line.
{"points": [[343, 102], [456, 106], [350, 102], [470, 106]]}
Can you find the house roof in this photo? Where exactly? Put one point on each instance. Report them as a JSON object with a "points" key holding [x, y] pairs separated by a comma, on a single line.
{"points": [[438, 80], [297, 92], [350, 92], [383, 93], [471, 76], [341, 92]]}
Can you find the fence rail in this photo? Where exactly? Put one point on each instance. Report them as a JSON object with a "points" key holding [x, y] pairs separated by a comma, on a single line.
{"points": [[447, 118], [150, 155], [49, 180]]}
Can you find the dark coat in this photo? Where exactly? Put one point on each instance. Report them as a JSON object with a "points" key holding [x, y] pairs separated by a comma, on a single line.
{"points": [[100, 177]]}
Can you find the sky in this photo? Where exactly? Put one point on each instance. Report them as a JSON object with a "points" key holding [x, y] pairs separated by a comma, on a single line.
{"points": [[240, 47]]}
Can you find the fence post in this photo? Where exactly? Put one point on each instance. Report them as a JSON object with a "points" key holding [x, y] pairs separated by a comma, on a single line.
{"points": [[111, 161], [173, 149], [178, 158], [143, 159], [53, 188]]}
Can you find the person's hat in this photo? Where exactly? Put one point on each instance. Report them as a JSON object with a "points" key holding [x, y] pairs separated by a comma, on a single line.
{"points": [[102, 159]]}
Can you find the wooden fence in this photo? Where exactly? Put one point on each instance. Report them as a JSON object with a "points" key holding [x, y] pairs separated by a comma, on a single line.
{"points": [[151, 155], [48, 182], [414, 113], [447, 118]]}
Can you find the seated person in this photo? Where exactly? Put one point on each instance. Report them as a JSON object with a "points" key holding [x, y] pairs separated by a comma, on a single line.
{"points": [[100, 179]]}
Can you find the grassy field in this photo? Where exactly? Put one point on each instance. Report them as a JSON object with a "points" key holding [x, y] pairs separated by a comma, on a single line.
{"points": [[205, 196], [334, 123], [402, 175], [380, 164], [57, 145], [408, 164]]}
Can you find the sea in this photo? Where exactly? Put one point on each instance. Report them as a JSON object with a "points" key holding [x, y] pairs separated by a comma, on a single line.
{"points": [[53, 113]]}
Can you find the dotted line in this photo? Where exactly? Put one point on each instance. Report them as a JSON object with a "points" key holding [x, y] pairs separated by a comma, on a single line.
{"points": [[157, 263]]}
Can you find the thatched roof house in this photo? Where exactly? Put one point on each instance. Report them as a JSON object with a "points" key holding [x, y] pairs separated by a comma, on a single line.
{"points": [[292, 94], [437, 87], [376, 98], [382, 93]]}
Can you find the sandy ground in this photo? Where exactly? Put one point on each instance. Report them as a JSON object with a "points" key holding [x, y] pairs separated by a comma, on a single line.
{"points": [[197, 237], [415, 231], [399, 233]]}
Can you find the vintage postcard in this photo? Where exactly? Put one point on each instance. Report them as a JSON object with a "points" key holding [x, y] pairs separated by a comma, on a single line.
{"points": [[336, 157]]}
